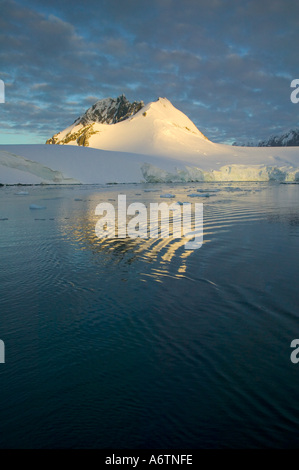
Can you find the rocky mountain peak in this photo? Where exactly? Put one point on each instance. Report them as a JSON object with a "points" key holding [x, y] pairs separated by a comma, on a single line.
{"points": [[110, 111]]}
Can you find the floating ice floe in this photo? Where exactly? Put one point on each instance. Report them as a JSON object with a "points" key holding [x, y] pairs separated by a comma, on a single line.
{"points": [[200, 195], [22, 193], [167, 196], [233, 190], [36, 207], [210, 190]]}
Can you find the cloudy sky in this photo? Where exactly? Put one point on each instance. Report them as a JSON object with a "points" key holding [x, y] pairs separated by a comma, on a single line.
{"points": [[227, 64]]}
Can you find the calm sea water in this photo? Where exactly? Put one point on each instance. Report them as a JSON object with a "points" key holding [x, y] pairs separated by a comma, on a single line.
{"points": [[141, 343]]}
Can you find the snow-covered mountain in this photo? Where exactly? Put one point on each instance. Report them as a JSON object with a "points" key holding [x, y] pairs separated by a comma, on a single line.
{"points": [[116, 124], [133, 143]]}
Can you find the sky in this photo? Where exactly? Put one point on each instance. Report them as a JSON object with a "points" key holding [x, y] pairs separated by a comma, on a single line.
{"points": [[226, 64]]}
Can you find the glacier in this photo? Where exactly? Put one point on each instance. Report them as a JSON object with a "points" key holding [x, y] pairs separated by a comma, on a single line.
{"points": [[233, 172], [41, 164]]}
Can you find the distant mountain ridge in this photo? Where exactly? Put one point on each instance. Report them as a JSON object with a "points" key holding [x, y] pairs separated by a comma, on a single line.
{"points": [[288, 139]]}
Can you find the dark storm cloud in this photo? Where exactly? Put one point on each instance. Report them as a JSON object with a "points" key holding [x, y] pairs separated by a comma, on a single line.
{"points": [[228, 65]]}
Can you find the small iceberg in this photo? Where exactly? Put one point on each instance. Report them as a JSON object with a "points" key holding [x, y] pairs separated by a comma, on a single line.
{"points": [[22, 193], [36, 207], [167, 196], [210, 190], [233, 190], [199, 195]]}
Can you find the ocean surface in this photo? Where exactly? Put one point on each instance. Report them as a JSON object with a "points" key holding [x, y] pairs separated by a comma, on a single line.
{"points": [[140, 343]]}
